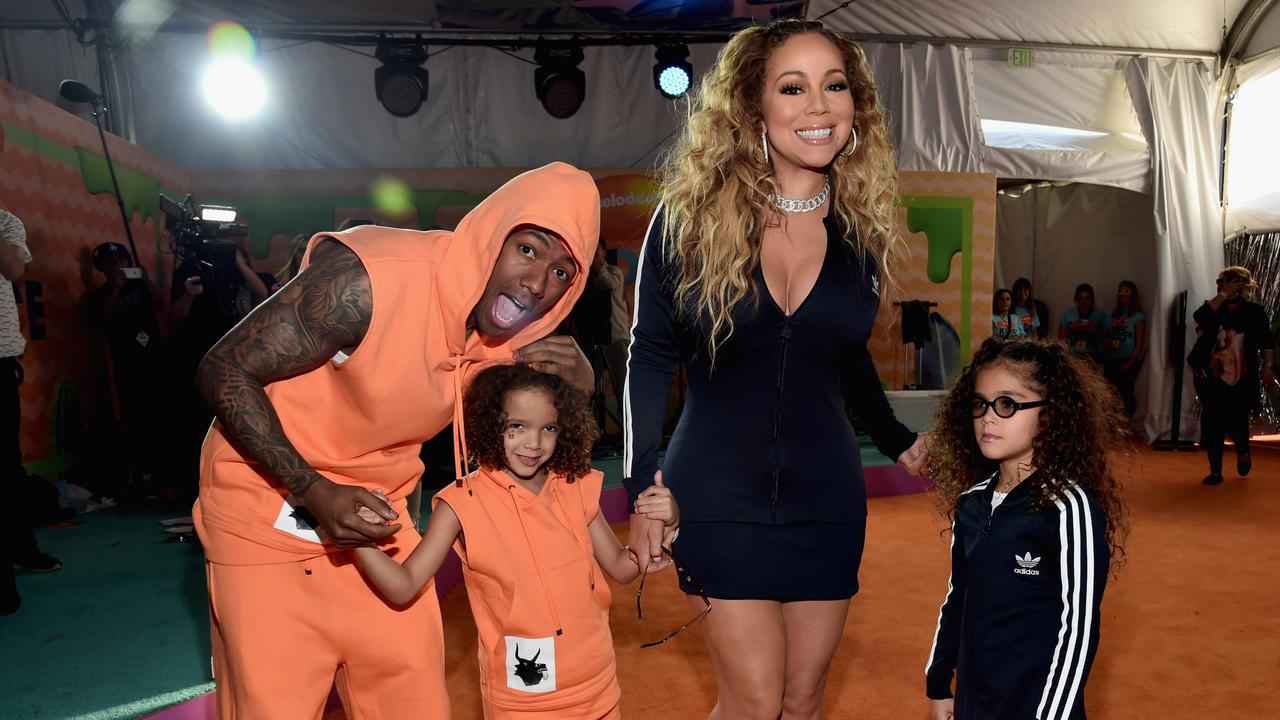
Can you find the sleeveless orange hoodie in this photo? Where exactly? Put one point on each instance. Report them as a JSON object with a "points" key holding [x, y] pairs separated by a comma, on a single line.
{"points": [[361, 421], [540, 600]]}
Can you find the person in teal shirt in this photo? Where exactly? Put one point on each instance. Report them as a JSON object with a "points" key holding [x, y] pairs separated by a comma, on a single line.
{"points": [[1005, 324], [1084, 326], [1126, 343], [1033, 313]]}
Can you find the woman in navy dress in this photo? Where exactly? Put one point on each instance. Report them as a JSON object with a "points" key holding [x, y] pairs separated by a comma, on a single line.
{"points": [[761, 273]]}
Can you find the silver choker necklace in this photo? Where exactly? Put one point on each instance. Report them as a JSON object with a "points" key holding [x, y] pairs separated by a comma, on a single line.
{"points": [[804, 206]]}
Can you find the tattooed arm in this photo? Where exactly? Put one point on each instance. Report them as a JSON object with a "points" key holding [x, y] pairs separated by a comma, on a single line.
{"points": [[326, 309]]}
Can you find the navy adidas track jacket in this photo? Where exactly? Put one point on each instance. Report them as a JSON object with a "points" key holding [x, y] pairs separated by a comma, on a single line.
{"points": [[1019, 626]]}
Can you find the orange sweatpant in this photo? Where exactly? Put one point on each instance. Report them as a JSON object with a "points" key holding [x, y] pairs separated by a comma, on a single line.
{"points": [[284, 633]]}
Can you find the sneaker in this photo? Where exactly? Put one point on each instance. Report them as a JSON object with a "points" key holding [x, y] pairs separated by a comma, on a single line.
{"points": [[1212, 479], [1244, 464], [38, 562]]}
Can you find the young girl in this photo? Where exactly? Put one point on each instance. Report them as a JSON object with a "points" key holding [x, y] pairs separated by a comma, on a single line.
{"points": [[533, 542], [1126, 343], [1020, 459], [1005, 324]]}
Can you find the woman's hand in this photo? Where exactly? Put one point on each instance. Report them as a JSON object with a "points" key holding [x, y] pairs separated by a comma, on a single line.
{"points": [[942, 709], [916, 457]]}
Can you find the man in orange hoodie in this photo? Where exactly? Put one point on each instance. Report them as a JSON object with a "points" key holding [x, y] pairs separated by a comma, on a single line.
{"points": [[325, 393]]}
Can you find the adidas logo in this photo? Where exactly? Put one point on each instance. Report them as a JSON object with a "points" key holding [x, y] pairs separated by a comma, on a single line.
{"points": [[1026, 564]]}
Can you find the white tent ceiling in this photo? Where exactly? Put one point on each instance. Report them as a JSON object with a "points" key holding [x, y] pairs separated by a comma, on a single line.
{"points": [[1171, 25]]}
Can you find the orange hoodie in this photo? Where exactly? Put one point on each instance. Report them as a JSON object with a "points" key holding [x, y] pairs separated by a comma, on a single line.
{"points": [[360, 421], [539, 599]]}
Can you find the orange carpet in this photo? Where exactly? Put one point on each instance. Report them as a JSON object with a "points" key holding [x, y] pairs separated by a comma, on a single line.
{"points": [[1191, 629]]}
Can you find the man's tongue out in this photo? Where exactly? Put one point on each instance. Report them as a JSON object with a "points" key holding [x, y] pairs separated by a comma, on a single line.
{"points": [[506, 313]]}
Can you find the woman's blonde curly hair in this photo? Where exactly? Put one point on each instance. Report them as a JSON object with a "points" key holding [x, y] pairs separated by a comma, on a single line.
{"points": [[717, 183]]}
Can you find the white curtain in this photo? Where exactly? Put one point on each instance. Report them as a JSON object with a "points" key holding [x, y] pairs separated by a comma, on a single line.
{"points": [[927, 93], [1176, 104], [37, 60], [1062, 235]]}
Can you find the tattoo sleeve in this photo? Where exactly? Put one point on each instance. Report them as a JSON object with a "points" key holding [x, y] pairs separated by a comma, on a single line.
{"points": [[296, 330]]}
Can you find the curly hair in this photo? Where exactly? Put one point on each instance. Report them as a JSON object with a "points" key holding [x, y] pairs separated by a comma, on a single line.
{"points": [[1238, 273], [717, 183], [1081, 436], [484, 410]]}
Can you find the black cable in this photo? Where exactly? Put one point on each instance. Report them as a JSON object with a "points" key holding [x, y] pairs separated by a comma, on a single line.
{"points": [[655, 147], [352, 50], [837, 8], [517, 57]]}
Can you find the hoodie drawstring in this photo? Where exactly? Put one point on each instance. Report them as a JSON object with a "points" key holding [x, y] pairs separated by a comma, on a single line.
{"points": [[584, 540], [460, 453], [537, 566]]}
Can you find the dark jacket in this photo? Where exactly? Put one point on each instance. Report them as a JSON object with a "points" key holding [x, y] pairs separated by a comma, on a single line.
{"points": [[764, 436], [1019, 626]]}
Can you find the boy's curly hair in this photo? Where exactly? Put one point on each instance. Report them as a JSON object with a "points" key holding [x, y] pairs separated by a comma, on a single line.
{"points": [[484, 410], [1082, 432]]}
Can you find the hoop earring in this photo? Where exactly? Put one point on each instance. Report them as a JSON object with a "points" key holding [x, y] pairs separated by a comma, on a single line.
{"points": [[764, 143], [853, 142]]}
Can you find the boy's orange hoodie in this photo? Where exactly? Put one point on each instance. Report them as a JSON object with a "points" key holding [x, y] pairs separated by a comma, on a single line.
{"points": [[539, 599], [361, 422]]}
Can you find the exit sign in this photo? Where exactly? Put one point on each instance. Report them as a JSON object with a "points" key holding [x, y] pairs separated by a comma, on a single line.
{"points": [[1022, 58]]}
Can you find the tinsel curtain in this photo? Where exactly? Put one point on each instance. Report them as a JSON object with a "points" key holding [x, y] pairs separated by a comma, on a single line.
{"points": [[1261, 254]]}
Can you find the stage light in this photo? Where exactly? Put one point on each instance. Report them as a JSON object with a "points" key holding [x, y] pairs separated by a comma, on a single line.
{"points": [[558, 82], [401, 82], [672, 74], [234, 88]]}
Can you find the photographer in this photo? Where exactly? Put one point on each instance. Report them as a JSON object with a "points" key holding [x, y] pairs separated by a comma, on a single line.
{"points": [[124, 309]]}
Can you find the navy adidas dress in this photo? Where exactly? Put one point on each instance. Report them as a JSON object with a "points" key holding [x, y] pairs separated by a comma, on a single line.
{"points": [[764, 463]]}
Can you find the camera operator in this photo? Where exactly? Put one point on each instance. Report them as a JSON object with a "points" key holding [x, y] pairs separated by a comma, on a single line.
{"points": [[124, 309], [213, 289], [216, 290]]}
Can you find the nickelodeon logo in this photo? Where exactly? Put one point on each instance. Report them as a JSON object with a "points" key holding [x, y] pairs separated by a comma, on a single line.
{"points": [[614, 200]]}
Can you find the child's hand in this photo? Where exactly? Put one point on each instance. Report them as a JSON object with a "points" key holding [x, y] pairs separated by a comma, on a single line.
{"points": [[942, 709], [370, 516], [657, 503]]}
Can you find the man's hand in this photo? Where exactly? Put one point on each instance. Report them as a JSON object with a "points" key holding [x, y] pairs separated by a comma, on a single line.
{"points": [[916, 457], [342, 510], [942, 709], [559, 355]]}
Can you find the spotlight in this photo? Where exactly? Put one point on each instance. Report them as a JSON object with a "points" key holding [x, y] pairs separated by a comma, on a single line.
{"points": [[558, 82], [672, 74], [234, 88], [401, 81]]}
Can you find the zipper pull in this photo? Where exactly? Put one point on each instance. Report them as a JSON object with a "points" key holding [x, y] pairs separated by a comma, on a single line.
{"points": [[786, 329]]}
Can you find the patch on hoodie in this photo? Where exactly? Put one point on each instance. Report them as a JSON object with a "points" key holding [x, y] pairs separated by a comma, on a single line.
{"points": [[531, 664], [297, 521]]}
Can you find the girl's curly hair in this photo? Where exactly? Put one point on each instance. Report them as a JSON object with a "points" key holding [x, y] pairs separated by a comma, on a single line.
{"points": [[1082, 432], [484, 410]]}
